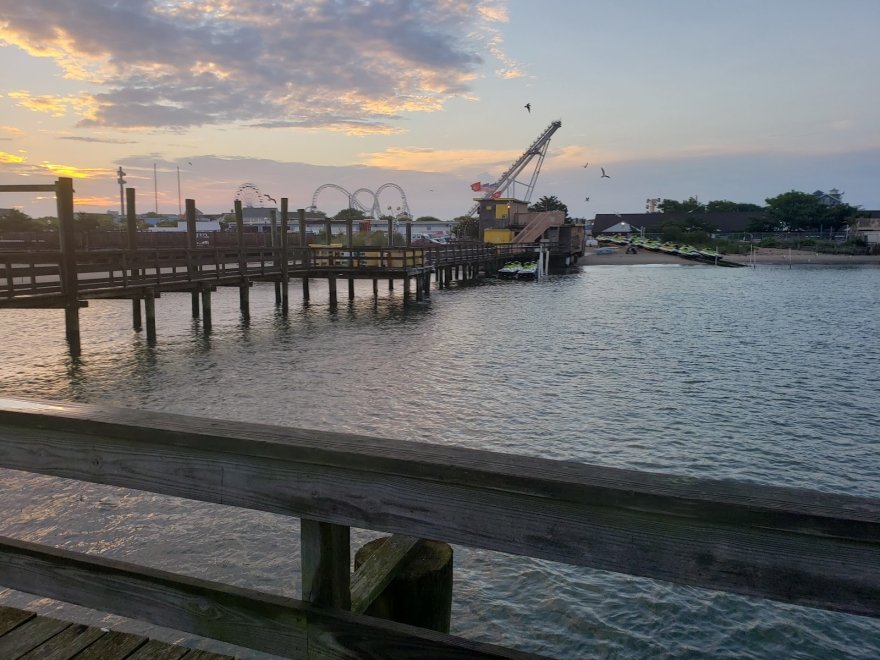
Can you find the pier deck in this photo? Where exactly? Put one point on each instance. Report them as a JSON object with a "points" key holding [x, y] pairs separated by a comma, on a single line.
{"points": [[31, 636]]}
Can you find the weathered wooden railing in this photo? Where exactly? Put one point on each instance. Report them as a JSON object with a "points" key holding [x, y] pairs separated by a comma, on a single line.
{"points": [[792, 545]]}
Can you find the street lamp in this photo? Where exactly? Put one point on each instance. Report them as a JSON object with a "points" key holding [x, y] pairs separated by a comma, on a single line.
{"points": [[121, 181]]}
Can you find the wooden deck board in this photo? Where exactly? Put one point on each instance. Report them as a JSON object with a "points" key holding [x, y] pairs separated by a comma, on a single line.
{"points": [[28, 636]]}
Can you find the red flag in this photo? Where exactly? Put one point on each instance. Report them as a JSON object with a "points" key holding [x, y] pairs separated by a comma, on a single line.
{"points": [[476, 186], [496, 195]]}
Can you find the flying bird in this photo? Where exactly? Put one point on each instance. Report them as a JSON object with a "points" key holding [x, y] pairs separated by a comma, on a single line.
{"points": [[271, 199], [528, 106], [604, 176], [586, 165], [586, 199]]}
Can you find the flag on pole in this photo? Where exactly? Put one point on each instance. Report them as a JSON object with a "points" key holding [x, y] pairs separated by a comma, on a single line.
{"points": [[476, 186], [496, 195]]}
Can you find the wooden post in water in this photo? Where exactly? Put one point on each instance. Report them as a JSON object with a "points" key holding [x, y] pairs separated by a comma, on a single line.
{"points": [[67, 241], [131, 225], [285, 257], [349, 243], [325, 549], [244, 283], [205, 290], [273, 222], [421, 593], [190, 246], [306, 251], [150, 310]]}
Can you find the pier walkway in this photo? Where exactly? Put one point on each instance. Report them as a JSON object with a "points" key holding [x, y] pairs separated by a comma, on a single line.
{"points": [[68, 277]]}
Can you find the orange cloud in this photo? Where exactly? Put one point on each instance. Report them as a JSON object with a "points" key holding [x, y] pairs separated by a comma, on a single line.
{"points": [[11, 130], [76, 172], [440, 160], [10, 158], [57, 106]]}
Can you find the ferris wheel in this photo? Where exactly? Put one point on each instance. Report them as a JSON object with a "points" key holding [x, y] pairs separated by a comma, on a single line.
{"points": [[250, 196]]}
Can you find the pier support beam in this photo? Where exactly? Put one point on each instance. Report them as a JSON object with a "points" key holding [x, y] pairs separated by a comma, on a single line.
{"points": [[206, 308], [71, 327], [136, 322], [244, 298], [331, 283], [150, 312]]}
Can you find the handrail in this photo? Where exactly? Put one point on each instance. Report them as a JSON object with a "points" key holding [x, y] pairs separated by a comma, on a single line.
{"points": [[792, 545]]}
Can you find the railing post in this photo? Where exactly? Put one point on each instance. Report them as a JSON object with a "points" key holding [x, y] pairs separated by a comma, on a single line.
{"points": [[243, 286], [273, 221], [326, 556], [190, 246], [67, 241], [306, 251], [131, 225], [285, 257]]}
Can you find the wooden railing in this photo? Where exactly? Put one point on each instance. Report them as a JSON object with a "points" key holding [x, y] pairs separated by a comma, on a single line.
{"points": [[792, 545]]}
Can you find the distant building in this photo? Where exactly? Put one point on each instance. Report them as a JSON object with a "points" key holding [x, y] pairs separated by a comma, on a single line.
{"points": [[868, 228], [831, 198]]}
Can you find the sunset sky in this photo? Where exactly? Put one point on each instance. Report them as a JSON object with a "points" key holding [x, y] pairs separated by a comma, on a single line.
{"points": [[719, 99]]}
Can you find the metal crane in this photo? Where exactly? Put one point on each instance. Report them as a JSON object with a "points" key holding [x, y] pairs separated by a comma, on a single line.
{"points": [[538, 149]]}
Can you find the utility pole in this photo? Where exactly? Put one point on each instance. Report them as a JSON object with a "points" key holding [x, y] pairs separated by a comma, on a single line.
{"points": [[121, 181]]}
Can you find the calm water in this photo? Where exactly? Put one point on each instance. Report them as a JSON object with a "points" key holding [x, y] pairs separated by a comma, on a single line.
{"points": [[765, 375]]}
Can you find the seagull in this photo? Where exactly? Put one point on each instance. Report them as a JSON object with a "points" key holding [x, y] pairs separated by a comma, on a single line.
{"points": [[604, 176], [586, 165], [586, 199], [271, 199], [528, 106]]}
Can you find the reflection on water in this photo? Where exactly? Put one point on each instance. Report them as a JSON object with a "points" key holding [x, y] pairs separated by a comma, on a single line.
{"points": [[760, 375]]}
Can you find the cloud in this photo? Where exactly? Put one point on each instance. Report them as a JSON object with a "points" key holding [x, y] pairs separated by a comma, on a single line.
{"points": [[10, 158], [440, 160], [76, 172], [353, 66], [56, 106], [11, 131], [97, 139]]}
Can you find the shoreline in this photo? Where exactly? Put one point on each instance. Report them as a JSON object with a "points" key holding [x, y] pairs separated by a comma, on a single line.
{"points": [[762, 256]]}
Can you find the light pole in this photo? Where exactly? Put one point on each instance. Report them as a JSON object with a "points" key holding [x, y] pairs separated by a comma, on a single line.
{"points": [[121, 181]]}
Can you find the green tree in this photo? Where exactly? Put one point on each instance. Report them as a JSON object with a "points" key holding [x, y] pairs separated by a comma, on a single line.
{"points": [[16, 220], [549, 203], [796, 211], [466, 228], [690, 205], [349, 214], [427, 218], [724, 205]]}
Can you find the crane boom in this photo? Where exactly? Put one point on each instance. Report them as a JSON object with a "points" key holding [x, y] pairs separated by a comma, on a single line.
{"points": [[538, 149]]}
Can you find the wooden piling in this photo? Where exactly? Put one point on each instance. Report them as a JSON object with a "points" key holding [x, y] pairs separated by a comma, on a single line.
{"points": [[244, 284], [67, 241], [285, 257], [273, 221], [206, 308], [331, 283], [136, 322], [150, 311], [131, 227], [421, 593], [191, 245], [302, 233]]}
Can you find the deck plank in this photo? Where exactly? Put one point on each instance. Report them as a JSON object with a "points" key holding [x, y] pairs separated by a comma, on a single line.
{"points": [[30, 635], [11, 617], [65, 644], [114, 645]]}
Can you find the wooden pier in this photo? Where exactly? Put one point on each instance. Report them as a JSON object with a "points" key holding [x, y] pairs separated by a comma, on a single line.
{"points": [[791, 545], [68, 277]]}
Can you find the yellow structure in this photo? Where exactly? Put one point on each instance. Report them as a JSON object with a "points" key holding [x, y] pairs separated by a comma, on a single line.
{"points": [[498, 236]]}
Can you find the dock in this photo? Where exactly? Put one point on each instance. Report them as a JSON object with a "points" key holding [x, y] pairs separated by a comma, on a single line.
{"points": [[67, 278]]}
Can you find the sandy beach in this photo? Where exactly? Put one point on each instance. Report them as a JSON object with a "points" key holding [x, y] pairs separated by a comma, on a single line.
{"points": [[765, 256]]}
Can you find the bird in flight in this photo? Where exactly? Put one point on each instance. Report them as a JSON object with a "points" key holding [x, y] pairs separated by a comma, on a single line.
{"points": [[604, 176], [528, 106], [586, 165], [586, 199]]}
